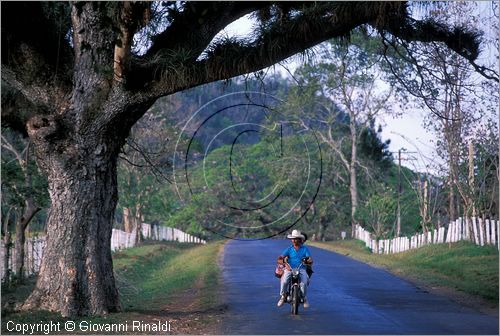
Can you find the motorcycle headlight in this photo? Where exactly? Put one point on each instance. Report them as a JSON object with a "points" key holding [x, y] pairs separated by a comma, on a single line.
{"points": [[295, 272]]}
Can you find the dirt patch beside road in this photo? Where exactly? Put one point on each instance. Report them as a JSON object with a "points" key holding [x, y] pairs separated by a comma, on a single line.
{"points": [[187, 313]]}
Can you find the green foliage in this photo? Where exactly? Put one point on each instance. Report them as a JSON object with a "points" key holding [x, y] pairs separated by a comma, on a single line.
{"points": [[259, 174], [379, 212], [373, 148], [260, 163]]}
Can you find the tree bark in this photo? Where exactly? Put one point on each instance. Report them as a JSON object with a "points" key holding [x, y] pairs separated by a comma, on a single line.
{"points": [[132, 222], [138, 219], [353, 187], [76, 275], [451, 200], [127, 220]]}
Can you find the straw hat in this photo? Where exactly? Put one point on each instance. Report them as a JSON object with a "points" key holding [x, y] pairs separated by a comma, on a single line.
{"points": [[296, 234]]}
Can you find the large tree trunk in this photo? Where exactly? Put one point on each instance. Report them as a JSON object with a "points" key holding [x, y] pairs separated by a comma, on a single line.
{"points": [[77, 146], [76, 275]]}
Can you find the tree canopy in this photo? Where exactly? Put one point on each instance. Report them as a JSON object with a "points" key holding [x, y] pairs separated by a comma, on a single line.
{"points": [[47, 44]]}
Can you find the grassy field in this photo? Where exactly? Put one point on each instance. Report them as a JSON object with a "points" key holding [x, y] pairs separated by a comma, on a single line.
{"points": [[462, 266], [158, 281]]}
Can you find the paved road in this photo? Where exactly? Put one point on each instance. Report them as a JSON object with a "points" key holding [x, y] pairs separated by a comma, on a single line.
{"points": [[346, 297]]}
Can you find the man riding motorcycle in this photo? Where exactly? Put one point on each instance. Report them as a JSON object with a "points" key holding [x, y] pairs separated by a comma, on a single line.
{"points": [[292, 258]]}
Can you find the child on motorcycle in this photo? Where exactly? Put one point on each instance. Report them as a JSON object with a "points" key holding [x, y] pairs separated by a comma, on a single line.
{"points": [[292, 258]]}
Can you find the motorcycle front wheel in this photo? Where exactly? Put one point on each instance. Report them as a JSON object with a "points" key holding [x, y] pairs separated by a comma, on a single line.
{"points": [[295, 300]]}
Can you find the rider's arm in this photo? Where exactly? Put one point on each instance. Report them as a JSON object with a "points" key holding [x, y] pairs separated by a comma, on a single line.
{"points": [[309, 260]]}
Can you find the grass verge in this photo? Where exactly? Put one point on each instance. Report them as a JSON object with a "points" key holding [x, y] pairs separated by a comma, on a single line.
{"points": [[150, 276], [461, 266], [158, 282]]}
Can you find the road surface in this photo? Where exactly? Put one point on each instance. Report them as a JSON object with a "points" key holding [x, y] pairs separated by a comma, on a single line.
{"points": [[346, 297]]}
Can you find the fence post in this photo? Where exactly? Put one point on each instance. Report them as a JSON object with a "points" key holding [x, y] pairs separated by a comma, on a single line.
{"points": [[487, 229], [498, 234], [493, 233], [470, 231], [455, 231], [466, 228], [452, 232], [474, 230], [460, 229], [481, 231]]}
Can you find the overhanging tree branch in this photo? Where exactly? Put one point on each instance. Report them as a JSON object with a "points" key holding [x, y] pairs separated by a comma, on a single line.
{"points": [[198, 23], [39, 96], [289, 37]]}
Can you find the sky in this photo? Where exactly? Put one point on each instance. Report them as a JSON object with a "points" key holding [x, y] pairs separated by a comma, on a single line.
{"points": [[406, 131]]}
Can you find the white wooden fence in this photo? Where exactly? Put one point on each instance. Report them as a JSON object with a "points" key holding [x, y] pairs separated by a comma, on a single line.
{"points": [[33, 247], [481, 232]]}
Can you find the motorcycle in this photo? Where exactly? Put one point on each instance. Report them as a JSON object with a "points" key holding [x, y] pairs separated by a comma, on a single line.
{"points": [[294, 295]]}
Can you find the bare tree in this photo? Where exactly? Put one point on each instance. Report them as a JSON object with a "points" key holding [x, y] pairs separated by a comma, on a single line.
{"points": [[461, 101], [348, 78]]}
